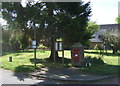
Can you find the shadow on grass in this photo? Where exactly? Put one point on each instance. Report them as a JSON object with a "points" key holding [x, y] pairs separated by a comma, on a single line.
{"points": [[47, 62], [103, 69], [105, 53], [17, 52], [21, 72], [99, 67], [24, 68]]}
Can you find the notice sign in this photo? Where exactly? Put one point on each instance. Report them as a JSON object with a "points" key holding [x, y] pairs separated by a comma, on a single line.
{"points": [[34, 44], [58, 45]]}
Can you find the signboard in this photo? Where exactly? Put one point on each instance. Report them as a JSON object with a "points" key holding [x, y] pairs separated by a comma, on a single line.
{"points": [[34, 44], [58, 46]]}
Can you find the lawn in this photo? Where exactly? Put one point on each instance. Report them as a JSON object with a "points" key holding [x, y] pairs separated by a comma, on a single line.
{"points": [[23, 61]]}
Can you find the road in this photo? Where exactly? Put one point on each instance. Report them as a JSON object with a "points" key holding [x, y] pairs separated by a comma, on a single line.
{"points": [[9, 77]]}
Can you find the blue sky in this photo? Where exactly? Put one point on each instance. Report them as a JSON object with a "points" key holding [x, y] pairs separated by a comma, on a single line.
{"points": [[104, 11]]}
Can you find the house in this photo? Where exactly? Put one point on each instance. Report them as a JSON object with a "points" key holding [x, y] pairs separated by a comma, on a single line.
{"points": [[115, 28]]}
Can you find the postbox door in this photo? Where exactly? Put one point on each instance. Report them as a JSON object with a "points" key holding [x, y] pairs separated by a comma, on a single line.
{"points": [[76, 58]]}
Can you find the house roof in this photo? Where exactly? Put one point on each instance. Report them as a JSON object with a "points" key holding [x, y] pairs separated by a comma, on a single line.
{"points": [[95, 40], [77, 45], [110, 26], [102, 29]]}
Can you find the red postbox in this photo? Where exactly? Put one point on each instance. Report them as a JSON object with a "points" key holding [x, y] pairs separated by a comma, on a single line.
{"points": [[76, 58], [77, 54]]}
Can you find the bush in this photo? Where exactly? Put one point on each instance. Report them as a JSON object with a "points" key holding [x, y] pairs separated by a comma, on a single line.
{"points": [[94, 60]]}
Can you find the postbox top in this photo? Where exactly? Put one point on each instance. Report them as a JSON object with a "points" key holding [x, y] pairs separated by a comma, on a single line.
{"points": [[77, 45]]}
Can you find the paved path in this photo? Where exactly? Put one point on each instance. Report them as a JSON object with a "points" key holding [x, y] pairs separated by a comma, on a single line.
{"points": [[9, 77], [68, 74]]}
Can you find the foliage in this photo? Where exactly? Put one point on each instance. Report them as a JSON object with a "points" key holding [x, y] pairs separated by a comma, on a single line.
{"points": [[118, 19], [111, 39], [95, 60], [56, 19], [92, 27], [100, 48], [10, 39], [50, 21]]}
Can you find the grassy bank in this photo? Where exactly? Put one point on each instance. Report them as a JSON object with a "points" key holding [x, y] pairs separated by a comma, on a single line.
{"points": [[23, 61]]}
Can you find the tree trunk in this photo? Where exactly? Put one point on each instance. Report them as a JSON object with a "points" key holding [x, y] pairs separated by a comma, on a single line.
{"points": [[51, 58], [114, 51]]}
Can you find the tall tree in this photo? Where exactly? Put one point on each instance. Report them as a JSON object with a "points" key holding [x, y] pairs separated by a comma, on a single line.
{"points": [[118, 19], [53, 20], [111, 38]]}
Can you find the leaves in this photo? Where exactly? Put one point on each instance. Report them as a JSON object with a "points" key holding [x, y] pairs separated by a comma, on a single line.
{"points": [[55, 20]]}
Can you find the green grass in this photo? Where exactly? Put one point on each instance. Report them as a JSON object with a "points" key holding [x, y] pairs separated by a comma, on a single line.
{"points": [[108, 57], [102, 69], [23, 61]]}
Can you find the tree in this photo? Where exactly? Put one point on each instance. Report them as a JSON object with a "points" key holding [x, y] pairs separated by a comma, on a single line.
{"points": [[53, 20], [10, 39], [111, 39], [118, 19], [92, 27]]}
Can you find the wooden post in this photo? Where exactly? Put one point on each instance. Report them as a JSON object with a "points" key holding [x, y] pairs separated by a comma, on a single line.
{"points": [[62, 53], [10, 59], [54, 51], [63, 56]]}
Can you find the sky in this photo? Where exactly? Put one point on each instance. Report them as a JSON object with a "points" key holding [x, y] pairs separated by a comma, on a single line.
{"points": [[103, 11]]}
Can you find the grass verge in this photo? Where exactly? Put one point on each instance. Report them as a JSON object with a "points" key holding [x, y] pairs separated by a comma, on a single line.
{"points": [[23, 62]]}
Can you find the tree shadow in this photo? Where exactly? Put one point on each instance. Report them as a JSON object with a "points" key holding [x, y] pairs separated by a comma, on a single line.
{"points": [[21, 72], [17, 52], [47, 62], [104, 53], [58, 69], [98, 66]]}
